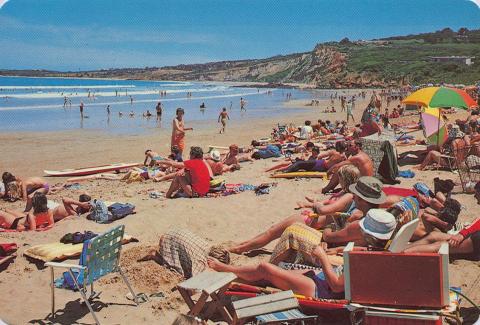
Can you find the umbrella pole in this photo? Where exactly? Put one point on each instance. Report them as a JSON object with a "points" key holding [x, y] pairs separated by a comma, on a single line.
{"points": [[438, 128]]}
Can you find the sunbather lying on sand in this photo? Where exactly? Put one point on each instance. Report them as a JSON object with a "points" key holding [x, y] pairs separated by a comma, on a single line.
{"points": [[28, 187], [40, 217], [217, 166], [466, 242], [364, 195], [357, 158], [377, 227], [151, 157], [10, 219]]}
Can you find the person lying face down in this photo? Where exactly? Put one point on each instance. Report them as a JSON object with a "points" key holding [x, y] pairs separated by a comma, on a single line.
{"points": [[377, 227]]}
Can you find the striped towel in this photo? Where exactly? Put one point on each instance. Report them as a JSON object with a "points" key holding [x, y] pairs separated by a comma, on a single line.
{"points": [[282, 316]]}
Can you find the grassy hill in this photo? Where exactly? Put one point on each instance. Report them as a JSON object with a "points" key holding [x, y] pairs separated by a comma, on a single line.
{"points": [[389, 61]]}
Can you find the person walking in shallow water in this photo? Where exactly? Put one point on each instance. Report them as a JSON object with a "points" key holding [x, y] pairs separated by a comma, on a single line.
{"points": [[158, 108], [223, 117], [242, 105], [81, 109]]}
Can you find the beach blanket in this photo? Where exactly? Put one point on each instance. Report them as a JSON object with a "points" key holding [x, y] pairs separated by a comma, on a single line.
{"points": [[231, 189], [59, 251], [400, 191]]}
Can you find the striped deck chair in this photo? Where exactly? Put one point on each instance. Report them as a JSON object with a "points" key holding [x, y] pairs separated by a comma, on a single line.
{"points": [[100, 257]]}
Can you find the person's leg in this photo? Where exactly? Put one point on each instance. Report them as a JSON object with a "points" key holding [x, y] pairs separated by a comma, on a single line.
{"points": [[334, 181], [278, 166], [185, 184], [432, 156], [282, 279], [267, 236], [433, 237], [164, 177], [174, 187], [7, 218], [301, 165]]}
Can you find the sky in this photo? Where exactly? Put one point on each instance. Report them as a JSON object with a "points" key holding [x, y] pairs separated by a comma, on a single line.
{"points": [[71, 35]]}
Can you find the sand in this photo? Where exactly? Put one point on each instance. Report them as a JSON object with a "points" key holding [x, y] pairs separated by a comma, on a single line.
{"points": [[25, 286]]}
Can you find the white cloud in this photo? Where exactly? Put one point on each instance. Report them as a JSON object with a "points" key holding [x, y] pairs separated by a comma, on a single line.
{"points": [[477, 2], [2, 3]]}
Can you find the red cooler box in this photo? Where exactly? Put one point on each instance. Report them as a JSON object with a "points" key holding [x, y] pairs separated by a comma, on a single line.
{"points": [[414, 280]]}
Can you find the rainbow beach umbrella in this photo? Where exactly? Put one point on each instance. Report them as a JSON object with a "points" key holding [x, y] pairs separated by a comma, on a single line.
{"points": [[440, 97], [434, 127], [433, 99]]}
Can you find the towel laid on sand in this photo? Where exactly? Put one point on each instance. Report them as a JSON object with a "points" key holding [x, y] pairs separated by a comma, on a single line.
{"points": [[59, 251]]}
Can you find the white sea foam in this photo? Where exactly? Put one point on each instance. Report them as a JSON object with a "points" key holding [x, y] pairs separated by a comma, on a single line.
{"points": [[154, 100], [66, 87], [44, 95]]}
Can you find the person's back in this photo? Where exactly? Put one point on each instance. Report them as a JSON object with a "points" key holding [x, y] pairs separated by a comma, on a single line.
{"points": [[199, 174], [306, 132]]}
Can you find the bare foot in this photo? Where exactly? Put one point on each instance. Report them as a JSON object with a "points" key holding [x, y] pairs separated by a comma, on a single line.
{"points": [[216, 265]]}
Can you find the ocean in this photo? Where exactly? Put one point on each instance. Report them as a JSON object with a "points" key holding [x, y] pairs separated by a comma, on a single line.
{"points": [[37, 104]]}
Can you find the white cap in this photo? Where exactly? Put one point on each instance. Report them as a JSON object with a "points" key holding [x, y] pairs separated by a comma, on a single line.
{"points": [[379, 223], [215, 155]]}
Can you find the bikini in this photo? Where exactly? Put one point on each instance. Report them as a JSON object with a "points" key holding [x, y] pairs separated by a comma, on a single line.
{"points": [[322, 289]]}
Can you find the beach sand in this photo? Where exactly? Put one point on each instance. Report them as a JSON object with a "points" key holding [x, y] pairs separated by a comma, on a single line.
{"points": [[25, 286]]}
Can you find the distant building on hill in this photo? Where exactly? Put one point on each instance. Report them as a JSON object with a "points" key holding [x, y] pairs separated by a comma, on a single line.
{"points": [[457, 59]]}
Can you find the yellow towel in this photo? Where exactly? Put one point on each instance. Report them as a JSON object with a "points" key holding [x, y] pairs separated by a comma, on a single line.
{"points": [[59, 251]]}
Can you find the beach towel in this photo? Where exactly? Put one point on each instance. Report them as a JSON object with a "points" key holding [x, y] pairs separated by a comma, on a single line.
{"points": [[300, 240], [58, 251], [400, 191], [388, 167]]}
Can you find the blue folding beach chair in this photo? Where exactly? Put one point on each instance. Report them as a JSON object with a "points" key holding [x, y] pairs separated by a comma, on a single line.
{"points": [[100, 256]]}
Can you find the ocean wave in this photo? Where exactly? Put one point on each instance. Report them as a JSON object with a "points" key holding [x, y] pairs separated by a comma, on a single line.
{"points": [[65, 87], [103, 104], [44, 95]]}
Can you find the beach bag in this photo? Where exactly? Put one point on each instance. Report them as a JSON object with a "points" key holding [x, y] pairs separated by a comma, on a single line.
{"points": [[66, 281], [99, 212], [121, 210], [217, 185], [270, 152]]}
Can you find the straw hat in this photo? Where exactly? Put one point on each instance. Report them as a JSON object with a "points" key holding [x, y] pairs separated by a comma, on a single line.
{"points": [[370, 189], [215, 155], [379, 223]]}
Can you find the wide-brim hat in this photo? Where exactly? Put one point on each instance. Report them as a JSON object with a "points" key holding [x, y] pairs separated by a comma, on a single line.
{"points": [[379, 223], [369, 189], [215, 155]]}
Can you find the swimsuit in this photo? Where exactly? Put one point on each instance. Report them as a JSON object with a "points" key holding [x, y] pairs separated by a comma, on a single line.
{"points": [[322, 289]]}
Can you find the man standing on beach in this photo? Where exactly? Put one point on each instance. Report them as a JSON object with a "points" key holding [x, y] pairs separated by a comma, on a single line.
{"points": [[349, 105], [108, 110], [178, 131], [223, 117], [159, 111], [81, 109]]}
